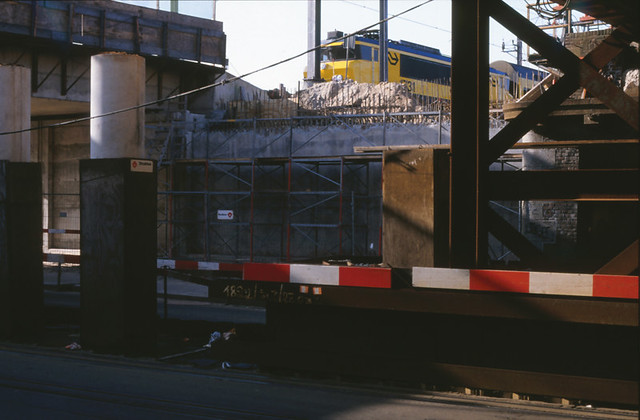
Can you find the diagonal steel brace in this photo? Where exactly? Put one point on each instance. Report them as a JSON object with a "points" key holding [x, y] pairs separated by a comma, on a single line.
{"points": [[577, 73]]}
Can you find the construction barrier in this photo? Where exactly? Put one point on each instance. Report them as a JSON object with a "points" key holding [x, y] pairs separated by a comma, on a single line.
{"points": [[197, 265], [319, 275], [61, 258], [564, 284], [541, 283]]}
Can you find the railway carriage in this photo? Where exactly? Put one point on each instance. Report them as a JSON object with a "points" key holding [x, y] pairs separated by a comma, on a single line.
{"points": [[425, 71]]}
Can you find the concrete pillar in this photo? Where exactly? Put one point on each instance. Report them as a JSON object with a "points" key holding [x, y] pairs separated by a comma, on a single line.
{"points": [[551, 226], [536, 159], [117, 82], [15, 113], [118, 193]]}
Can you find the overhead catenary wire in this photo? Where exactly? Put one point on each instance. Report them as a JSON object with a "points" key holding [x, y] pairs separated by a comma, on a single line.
{"points": [[405, 19], [448, 31], [212, 85], [545, 10]]}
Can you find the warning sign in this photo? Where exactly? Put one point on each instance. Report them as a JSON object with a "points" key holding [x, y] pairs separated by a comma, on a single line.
{"points": [[141, 166], [225, 214]]}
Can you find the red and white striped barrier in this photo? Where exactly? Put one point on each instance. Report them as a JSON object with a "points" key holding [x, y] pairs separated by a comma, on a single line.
{"points": [[325, 275], [568, 284], [161, 263], [198, 265], [69, 231], [61, 258]]}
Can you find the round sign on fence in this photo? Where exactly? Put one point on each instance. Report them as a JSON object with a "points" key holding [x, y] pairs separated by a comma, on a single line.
{"points": [[225, 214]]}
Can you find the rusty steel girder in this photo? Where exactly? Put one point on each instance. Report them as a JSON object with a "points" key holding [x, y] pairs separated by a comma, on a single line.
{"points": [[577, 73], [554, 96]]}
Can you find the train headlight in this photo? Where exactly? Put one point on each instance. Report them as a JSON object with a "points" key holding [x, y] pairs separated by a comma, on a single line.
{"points": [[323, 66]]}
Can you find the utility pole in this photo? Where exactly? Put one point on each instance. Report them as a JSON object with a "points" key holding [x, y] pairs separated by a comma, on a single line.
{"points": [[313, 41], [517, 48], [174, 6], [519, 51], [382, 55]]}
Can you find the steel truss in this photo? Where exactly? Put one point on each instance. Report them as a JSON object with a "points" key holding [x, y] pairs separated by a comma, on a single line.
{"points": [[473, 152]]}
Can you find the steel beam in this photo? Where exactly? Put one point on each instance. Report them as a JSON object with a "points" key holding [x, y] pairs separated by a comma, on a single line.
{"points": [[563, 59], [625, 263], [34, 71], [63, 75], [469, 132], [529, 117], [586, 184], [515, 241], [553, 97]]}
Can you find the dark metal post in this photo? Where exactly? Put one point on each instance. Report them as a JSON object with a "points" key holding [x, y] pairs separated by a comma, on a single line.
{"points": [[314, 39], [164, 291], [439, 124], [384, 28], [21, 285], [118, 210], [469, 132]]}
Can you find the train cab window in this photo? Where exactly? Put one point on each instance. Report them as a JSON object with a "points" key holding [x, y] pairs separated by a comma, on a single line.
{"points": [[336, 53]]}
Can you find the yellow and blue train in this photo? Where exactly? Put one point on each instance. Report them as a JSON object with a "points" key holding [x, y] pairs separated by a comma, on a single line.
{"points": [[424, 70]]}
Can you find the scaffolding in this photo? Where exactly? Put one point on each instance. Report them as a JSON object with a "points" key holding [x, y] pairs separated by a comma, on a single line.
{"points": [[266, 197], [270, 209]]}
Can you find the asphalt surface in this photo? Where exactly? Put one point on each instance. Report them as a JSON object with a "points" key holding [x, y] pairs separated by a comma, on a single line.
{"points": [[52, 384], [42, 379], [186, 300]]}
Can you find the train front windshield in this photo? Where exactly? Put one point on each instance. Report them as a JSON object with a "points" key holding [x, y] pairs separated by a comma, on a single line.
{"points": [[336, 53]]}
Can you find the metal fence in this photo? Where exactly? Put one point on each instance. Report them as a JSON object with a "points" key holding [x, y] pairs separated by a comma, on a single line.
{"points": [[61, 223], [270, 209]]}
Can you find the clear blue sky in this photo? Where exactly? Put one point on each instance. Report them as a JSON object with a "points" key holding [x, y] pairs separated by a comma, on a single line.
{"points": [[261, 32]]}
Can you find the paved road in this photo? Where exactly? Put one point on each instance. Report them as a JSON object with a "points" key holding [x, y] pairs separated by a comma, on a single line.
{"points": [[180, 309], [70, 276], [187, 301], [40, 383]]}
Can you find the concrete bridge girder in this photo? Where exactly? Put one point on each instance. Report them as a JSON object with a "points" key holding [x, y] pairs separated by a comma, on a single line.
{"points": [[60, 84]]}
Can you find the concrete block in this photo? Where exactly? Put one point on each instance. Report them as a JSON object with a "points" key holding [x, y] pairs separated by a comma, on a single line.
{"points": [[118, 248], [21, 290], [415, 197]]}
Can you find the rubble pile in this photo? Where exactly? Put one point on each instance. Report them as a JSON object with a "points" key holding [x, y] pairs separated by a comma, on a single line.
{"points": [[631, 82], [349, 93]]}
